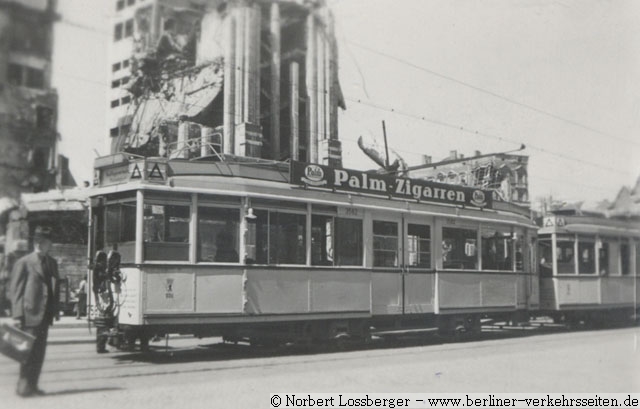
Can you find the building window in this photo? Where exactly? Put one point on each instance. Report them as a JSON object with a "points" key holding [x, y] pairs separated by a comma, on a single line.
{"points": [[497, 249], [336, 241], [124, 80], [21, 75], [117, 32], [276, 238], [385, 244], [44, 117], [115, 103], [119, 5], [115, 84], [125, 64], [14, 74], [419, 245], [125, 100], [115, 67], [35, 78], [166, 232], [128, 28], [218, 230], [168, 24], [459, 248], [113, 132], [586, 256], [131, 2]]}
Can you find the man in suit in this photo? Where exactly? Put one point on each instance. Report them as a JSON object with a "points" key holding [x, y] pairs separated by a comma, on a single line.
{"points": [[35, 291]]}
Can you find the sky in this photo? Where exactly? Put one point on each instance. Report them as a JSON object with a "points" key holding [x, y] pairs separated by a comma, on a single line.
{"points": [[559, 76]]}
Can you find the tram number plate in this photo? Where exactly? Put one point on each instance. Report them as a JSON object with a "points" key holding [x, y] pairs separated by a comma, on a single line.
{"points": [[349, 212]]}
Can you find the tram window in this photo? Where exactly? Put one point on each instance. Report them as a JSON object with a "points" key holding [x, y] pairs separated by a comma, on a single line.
{"points": [[336, 241], [545, 258], [322, 235], [385, 244], [603, 258], [218, 234], [459, 248], [497, 250], [348, 242], [166, 232], [287, 238], [565, 254], [120, 228], [608, 257], [625, 262], [277, 238], [519, 244], [586, 257], [419, 244]]}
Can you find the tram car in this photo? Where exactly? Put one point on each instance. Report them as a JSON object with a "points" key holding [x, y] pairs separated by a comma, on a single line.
{"points": [[589, 267], [271, 252]]}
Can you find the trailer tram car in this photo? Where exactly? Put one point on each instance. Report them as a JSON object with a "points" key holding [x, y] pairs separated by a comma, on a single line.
{"points": [[271, 252], [589, 268]]}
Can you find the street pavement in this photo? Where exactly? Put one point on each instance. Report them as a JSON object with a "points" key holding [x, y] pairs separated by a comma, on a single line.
{"points": [[189, 372]]}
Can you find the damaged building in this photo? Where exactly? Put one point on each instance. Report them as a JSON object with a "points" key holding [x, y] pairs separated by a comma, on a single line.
{"points": [[505, 174], [225, 78], [29, 158]]}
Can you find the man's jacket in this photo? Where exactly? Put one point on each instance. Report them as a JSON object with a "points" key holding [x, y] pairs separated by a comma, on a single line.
{"points": [[30, 292]]}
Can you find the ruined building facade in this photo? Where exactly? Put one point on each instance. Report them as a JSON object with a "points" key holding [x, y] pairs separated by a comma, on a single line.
{"points": [[505, 174], [29, 160], [237, 78]]}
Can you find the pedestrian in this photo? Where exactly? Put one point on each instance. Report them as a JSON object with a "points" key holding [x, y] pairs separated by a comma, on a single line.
{"points": [[35, 293], [82, 299]]}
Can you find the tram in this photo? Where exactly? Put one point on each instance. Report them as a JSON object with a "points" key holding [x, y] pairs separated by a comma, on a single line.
{"points": [[270, 251], [589, 268]]}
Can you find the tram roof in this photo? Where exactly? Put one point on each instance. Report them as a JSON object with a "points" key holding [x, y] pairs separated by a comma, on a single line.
{"points": [[269, 180], [588, 225]]}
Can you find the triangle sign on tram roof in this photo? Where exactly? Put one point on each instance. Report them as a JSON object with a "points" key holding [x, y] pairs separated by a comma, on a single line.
{"points": [[135, 174], [156, 173]]}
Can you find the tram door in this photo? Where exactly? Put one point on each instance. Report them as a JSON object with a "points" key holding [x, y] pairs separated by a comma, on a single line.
{"points": [[418, 278]]}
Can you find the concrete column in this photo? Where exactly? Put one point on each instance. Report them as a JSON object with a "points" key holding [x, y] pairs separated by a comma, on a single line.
{"points": [[312, 86], [254, 64], [294, 77], [139, 249], [332, 78], [274, 29], [206, 137], [229, 85], [239, 117], [249, 66], [321, 90], [193, 229], [181, 150]]}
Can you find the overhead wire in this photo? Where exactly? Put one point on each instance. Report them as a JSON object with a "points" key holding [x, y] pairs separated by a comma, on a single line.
{"points": [[489, 92], [422, 117], [425, 118]]}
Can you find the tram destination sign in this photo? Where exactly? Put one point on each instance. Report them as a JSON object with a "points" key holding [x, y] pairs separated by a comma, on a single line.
{"points": [[323, 177]]}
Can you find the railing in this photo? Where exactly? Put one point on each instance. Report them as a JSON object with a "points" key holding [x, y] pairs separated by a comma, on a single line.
{"points": [[195, 148]]}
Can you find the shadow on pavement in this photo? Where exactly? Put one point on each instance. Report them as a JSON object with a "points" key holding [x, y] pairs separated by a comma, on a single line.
{"points": [[76, 391], [214, 352]]}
